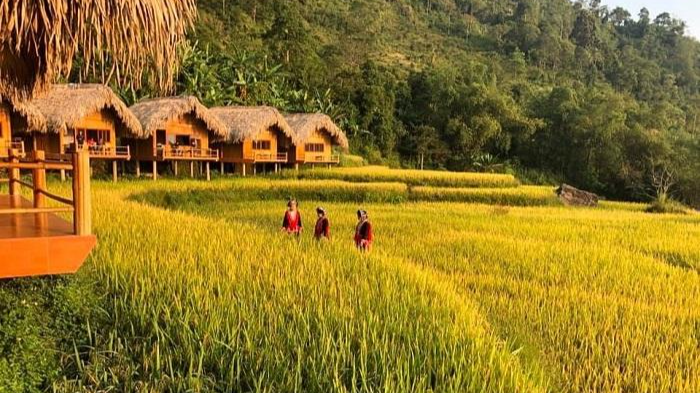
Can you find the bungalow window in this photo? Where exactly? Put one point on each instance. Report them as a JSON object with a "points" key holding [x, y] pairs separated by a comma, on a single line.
{"points": [[314, 147], [261, 145]]}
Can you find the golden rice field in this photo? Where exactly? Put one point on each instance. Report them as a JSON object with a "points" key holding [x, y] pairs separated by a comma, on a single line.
{"points": [[411, 177], [199, 291]]}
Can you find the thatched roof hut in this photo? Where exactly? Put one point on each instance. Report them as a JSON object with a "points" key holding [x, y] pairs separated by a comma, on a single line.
{"points": [[155, 113], [305, 124], [38, 40], [63, 106], [245, 122]]}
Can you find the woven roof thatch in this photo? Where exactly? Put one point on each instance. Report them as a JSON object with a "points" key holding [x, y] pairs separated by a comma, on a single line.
{"points": [[154, 113], [33, 117], [304, 124], [38, 40], [63, 106], [246, 122]]}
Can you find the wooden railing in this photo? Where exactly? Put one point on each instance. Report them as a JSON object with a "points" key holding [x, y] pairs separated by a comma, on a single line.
{"points": [[270, 157], [38, 163], [120, 152], [17, 146], [320, 158], [185, 152]]}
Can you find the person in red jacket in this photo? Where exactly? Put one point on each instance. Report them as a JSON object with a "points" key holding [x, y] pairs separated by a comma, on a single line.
{"points": [[323, 225], [292, 219], [363, 232]]}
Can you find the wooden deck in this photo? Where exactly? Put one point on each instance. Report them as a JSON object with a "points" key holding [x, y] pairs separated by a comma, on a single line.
{"points": [[38, 243]]}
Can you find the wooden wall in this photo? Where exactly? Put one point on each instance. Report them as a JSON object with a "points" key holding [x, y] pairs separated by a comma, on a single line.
{"points": [[189, 125], [318, 136], [5, 130]]}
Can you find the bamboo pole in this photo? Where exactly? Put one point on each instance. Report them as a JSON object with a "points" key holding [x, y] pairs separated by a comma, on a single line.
{"points": [[82, 220]]}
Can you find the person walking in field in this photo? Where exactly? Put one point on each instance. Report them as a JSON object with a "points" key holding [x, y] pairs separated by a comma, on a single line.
{"points": [[322, 230], [292, 219], [363, 232]]}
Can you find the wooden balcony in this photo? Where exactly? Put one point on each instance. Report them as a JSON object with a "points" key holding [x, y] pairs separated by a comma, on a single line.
{"points": [[262, 157], [109, 152], [186, 153], [321, 158], [34, 240], [17, 146]]}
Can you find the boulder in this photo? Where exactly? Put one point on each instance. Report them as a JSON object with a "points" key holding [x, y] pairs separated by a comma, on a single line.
{"points": [[572, 196]]}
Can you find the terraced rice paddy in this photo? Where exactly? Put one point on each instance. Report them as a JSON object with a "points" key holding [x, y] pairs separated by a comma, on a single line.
{"points": [[199, 291]]}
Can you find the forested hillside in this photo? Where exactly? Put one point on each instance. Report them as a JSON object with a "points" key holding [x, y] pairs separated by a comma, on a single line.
{"points": [[606, 99]]}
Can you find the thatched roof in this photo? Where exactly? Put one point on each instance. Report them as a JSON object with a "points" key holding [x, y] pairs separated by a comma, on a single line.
{"points": [[38, 40], [154, 113], [31, 115], [305, 124], [246, 122], [63, 106]]}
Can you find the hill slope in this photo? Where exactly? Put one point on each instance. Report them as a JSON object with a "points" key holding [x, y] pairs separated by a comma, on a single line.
{"points": [[549, 88]]}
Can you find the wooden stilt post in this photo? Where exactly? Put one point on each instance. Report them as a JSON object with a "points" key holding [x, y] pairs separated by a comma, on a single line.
{"points": [[138, 169], [123, 165], [39, 180], [244, 165], [222, 167], [191, 168], [82, 220], [13, 173], [114, 171], [155, 170], [296, 167], [175, 167], [208, 173], [63, 175], [255, 169]]}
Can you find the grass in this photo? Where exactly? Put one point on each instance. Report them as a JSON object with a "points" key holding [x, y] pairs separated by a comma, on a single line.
{"points": [[198, 291], [411, 177]]}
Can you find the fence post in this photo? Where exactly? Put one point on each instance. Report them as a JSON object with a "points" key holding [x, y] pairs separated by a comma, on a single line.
{"points": [[13, 173], [82, 219], [39, 179]]}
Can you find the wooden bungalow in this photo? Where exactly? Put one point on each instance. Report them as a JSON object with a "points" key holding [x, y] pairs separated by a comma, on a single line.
{"points": [[74, 117], [257, 137], [317, 135], [180, 129], [7, 141]]}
